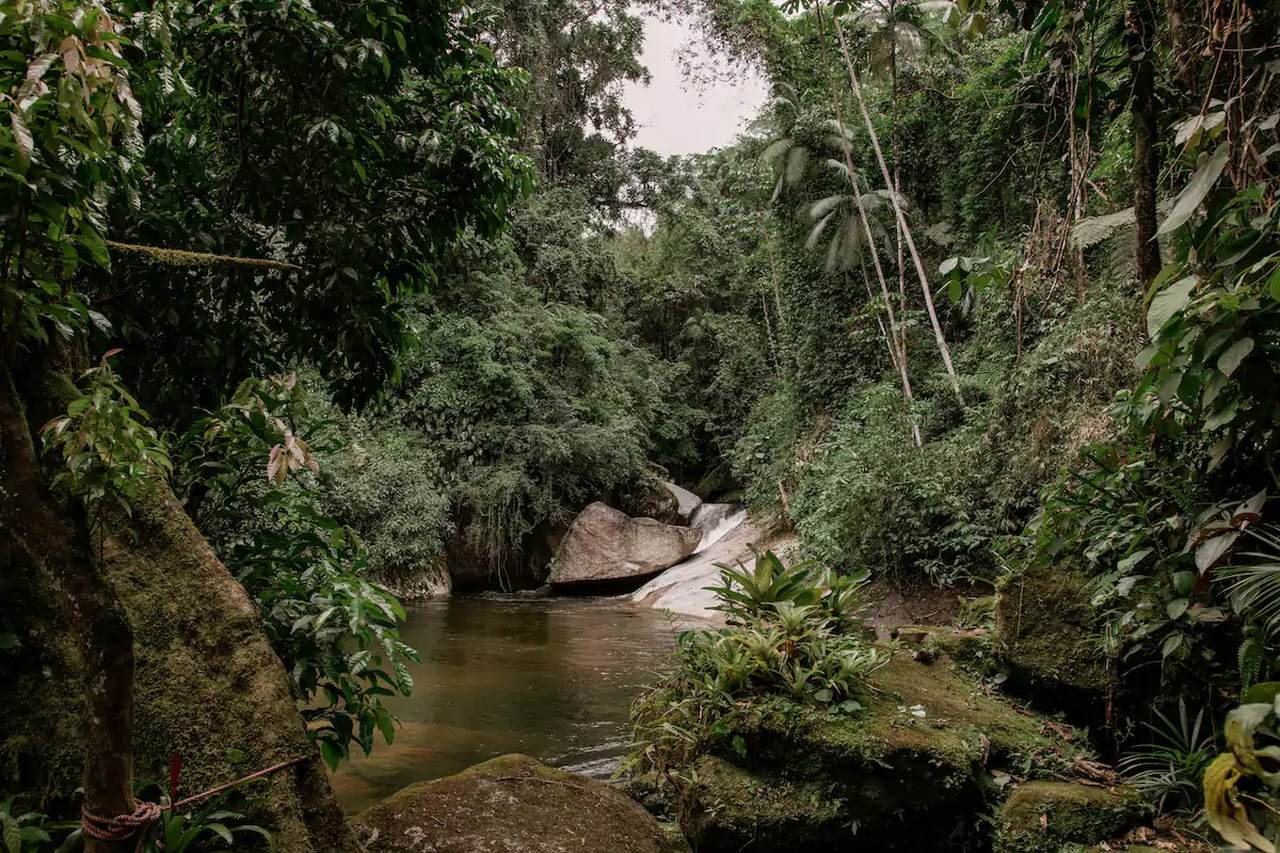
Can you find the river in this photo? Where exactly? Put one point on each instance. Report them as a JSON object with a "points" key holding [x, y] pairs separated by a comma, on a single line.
{"points": [[552, 678]]}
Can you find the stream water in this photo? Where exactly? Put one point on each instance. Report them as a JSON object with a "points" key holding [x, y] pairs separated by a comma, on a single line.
{"points": [[552, 678]]}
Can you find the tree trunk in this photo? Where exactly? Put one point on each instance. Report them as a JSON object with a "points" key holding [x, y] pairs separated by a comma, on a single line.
{"points": [[1140, 33], [205, 683], [57, 543], [941, 339], [897, 353]]}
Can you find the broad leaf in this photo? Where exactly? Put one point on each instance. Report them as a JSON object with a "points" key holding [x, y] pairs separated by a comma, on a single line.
{"points": [[1196, 190], [1168, 302]]}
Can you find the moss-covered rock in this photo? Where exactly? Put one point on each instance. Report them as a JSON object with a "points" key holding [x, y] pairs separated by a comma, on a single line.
{"points": [[910, 772], [1047, 636], [1046, 817], [512, 804]]}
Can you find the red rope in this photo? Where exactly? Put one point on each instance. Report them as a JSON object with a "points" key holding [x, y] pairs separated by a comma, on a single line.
{"points": [[118, 828]]}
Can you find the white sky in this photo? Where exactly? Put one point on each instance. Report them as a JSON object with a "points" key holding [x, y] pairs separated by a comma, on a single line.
{"points": [[675, 119]]}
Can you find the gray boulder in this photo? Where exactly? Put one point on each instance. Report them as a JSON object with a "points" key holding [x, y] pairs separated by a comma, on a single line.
{"points": [[605, 546], [687, 502]]}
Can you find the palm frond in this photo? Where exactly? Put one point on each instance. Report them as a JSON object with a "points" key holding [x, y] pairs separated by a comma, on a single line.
{"points": [[1254, 584], [776, 149], [797, 162], [815, 234], [823, 206]]}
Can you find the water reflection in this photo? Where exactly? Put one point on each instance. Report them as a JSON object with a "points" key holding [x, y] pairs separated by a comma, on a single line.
{"points": [[550, 678]]}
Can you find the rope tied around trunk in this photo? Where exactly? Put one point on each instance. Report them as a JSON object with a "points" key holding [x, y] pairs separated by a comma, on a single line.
{"points": [[122, 827]]}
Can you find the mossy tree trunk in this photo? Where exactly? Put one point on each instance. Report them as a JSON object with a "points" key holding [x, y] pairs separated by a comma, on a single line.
{"points": [[170, 656], [56, 542]]}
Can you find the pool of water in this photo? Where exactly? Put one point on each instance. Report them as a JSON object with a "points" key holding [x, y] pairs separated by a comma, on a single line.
{"points": [[552, 678]]}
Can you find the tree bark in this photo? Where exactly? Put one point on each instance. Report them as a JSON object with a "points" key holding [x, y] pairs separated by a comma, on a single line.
{"points": [[1140, 34], [166, 638], [57, 543]]}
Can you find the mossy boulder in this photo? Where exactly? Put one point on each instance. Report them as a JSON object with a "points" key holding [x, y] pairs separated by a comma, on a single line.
{"points": [[1047, 817], [912, 771], [512, 804], [1047, 636]]}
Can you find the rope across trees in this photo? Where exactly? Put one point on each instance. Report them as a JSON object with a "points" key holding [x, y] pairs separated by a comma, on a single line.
{"points": [[120, 828]]}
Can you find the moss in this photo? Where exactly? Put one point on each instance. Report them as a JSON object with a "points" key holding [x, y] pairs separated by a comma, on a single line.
{"points": [[912, 764], [512, 804], [727, 807], [1046, 632], [1051, 816], [207, 685]]}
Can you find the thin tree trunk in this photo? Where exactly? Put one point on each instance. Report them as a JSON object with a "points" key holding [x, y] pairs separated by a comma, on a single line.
{"points": [[55, 543], [943, 349], [900, 361], [895, 145], [1140, 33]]}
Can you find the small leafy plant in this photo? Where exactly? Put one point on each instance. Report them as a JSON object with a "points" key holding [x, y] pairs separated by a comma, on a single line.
{"points": [[1170, 767], [792, 634], [32, 832], [108, 453]]}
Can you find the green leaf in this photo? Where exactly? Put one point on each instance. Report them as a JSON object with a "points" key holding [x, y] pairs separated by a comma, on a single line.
{"points": [[331, 753], [1169, 302], [1194, 193], [1234, 354], [21, 136], [1171, 644], [1176, 607]]}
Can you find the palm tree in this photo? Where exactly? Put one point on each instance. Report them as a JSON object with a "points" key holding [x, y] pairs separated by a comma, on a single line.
{"points": [[836, 219], [939, 337], [788, 157]]}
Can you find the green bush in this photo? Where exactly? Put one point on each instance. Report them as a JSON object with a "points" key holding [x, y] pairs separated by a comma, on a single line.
{"points": [[792, 633], [251, 477]]}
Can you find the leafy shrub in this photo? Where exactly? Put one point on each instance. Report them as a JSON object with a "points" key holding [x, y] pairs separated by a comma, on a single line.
{"points": [[792, 633], [387, 484], [872, 500], [335, 630]]}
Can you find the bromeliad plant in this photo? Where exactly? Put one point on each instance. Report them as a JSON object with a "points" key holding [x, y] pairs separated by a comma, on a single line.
{"points": [[792, 634], [251, 471]]}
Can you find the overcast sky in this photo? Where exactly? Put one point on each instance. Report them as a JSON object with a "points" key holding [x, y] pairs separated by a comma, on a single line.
{"points": [[675, 119]]}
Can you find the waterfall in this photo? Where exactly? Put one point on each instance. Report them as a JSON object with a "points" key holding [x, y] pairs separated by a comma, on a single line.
{"points": [[722, 528]]}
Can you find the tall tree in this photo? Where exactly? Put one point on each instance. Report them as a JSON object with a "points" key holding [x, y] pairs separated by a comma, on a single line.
{"points": [[218, 117], [1140, 31]]}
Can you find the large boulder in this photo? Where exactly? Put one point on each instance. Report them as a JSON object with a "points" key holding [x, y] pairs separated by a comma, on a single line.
{"points": [[687, 502], [915, 770], [1046, 815], [605, 547], [510, 804], [1046, 634]]}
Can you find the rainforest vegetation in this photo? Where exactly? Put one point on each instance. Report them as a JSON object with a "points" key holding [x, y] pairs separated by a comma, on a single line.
{"points": [[310, 308]]}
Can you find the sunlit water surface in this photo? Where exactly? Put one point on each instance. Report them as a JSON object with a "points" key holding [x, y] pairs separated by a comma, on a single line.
{"points": [[552, 678]]}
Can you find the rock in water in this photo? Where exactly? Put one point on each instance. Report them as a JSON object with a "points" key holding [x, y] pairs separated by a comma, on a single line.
{"points": [[605, 546], [687, 502], [510, 804]]}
